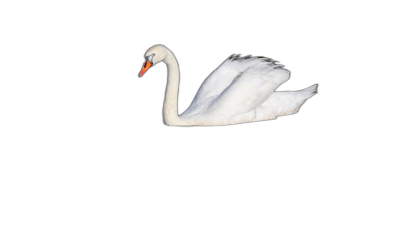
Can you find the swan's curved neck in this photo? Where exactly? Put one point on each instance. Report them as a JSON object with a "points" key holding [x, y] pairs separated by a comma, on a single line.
{"points": [[170, 109]]}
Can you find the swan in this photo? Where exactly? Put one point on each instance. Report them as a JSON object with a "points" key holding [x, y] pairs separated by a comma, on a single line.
{"points": [[240, 90]]}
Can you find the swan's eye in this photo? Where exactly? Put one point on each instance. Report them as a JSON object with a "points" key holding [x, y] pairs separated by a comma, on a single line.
{"points": [[150, 58], [146, 65]]}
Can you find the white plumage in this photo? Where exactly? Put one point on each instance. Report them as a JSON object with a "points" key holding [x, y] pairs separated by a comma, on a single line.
{"points": [[240, 90]]}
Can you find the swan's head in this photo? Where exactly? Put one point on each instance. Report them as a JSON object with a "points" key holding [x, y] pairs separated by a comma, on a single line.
{"points": [[153, 55]]}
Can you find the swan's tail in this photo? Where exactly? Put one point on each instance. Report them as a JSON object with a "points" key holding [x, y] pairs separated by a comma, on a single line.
{"points": [[308, 92], [282, 103]]}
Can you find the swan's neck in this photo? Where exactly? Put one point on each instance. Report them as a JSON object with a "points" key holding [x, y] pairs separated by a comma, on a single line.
{"points": [[170, 109]]}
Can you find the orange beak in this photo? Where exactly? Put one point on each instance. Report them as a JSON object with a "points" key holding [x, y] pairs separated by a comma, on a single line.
{"points": [[146, 66]]}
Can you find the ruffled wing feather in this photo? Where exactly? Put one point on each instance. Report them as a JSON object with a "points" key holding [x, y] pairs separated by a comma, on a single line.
{"points": [[238, 85]]}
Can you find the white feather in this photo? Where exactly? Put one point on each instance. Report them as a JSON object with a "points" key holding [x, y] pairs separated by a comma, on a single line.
{"points": [[240, 90]]}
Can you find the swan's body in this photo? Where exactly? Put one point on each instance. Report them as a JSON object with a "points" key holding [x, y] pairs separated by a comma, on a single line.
{"points": [[240, 90]]}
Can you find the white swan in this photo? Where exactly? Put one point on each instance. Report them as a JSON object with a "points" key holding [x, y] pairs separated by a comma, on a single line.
{"points": [[240, 90]]}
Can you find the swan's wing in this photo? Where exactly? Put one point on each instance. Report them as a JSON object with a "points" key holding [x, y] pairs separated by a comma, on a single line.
{"points": [[248, 91], [222, 77]]}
